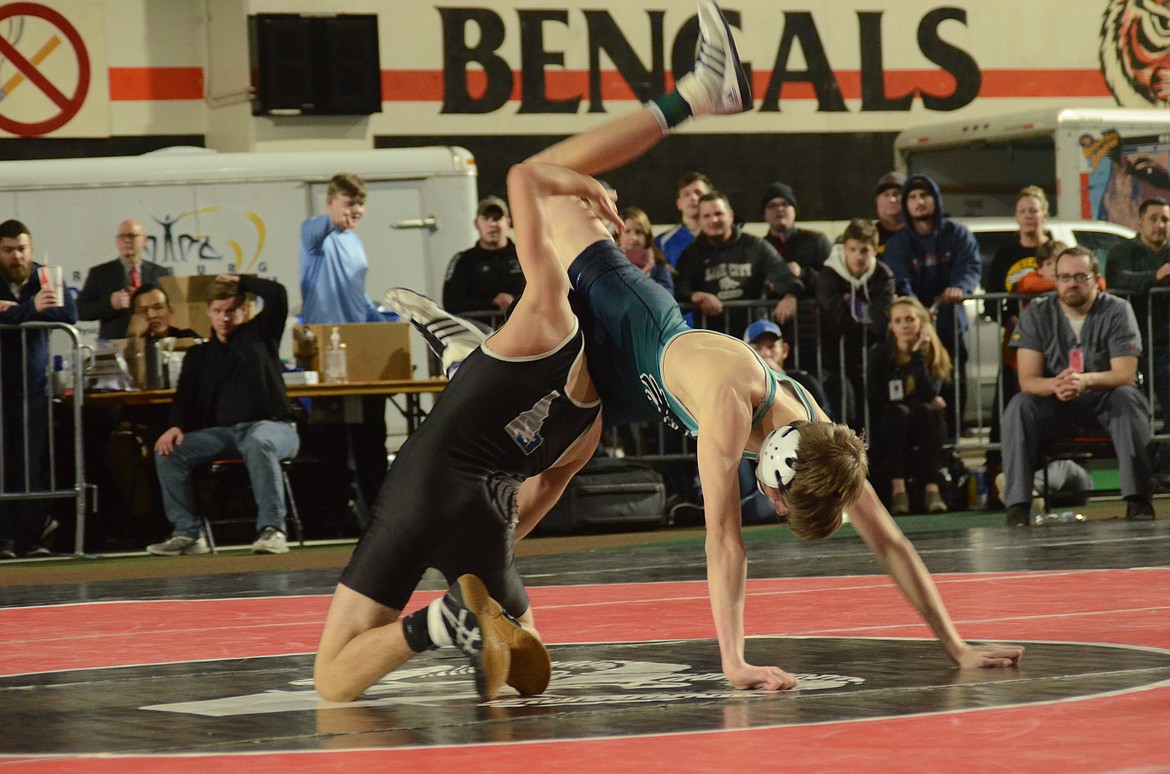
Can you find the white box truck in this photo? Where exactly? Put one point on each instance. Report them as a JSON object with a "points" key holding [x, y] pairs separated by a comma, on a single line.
{"points": [[208, 213], [1094, 164]]}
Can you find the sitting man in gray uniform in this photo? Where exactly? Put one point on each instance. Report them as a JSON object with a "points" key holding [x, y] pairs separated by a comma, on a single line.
{"points": [[1078, 356]]}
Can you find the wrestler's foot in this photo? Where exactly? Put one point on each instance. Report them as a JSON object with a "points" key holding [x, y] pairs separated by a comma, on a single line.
{"points": [[477, 635], [450, 338], [531, 667], [718, 84]]}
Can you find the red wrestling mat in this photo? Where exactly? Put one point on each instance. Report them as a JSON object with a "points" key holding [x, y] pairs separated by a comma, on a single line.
{"points": [[1119, 731]]}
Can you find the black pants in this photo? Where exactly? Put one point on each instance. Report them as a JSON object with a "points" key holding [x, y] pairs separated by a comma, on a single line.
{"points": [[21, 521], [909, 441]]}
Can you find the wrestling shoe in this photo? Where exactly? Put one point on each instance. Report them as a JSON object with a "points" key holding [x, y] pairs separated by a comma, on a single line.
{"points": [[475, 632], [718, 84], [179, 545], [450, 338], [531, 667]]}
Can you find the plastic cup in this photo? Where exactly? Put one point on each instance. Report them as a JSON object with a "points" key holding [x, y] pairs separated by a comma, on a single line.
{"points": [[53, 277]]}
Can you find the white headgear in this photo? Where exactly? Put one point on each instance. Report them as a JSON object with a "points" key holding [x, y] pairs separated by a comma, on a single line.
{"points": [[776, 461]]}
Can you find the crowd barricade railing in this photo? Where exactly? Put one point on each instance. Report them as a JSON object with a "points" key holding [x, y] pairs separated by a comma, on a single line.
{"points": [[24, 412], [981, 382]]}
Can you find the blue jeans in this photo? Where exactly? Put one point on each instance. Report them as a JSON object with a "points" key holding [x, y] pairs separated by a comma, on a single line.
{"points": [[262, 445]]}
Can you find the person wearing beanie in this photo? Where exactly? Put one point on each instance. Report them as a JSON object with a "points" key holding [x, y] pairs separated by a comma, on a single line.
{"points": [[805, 251], [888, 203], [936, 260]]}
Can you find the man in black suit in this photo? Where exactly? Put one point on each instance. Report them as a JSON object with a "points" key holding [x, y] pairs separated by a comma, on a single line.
{"points": [[108, 286]]}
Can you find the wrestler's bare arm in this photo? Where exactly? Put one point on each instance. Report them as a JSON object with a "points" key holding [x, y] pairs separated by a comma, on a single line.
{"points": [[723, 407], [898, 557], [538, 494]]}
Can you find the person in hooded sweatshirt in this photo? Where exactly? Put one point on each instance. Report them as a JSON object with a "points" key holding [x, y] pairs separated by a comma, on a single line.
{"points": [[854, 292], [936, 260]]}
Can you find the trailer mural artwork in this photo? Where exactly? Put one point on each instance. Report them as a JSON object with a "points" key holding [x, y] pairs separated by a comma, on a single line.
{"points": [[1121, 172]]}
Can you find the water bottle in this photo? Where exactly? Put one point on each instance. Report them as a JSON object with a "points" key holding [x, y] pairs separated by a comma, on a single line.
{"points": [[336, 365], [1052, 517], [154, 374]]}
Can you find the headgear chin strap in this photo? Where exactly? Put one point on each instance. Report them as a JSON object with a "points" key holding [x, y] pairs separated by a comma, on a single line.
{"points": [[776, 460]]}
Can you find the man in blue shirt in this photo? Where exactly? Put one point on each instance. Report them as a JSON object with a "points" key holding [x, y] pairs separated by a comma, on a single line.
{"points": [[333, 290], [691, 187], [333, 261]]}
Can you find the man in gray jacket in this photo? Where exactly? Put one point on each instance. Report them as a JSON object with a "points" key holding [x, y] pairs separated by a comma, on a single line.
{"points": [[725, 264]]}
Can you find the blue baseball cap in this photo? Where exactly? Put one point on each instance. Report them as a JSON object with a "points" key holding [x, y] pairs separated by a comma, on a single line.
{"points": [[759, 328]]}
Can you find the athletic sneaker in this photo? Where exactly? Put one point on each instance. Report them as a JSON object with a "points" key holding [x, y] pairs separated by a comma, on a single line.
{"points": [[450, 338], [718, 84], [37, 551], [7, 550], [531, 667], [179, 545], [270, 541], [491, 658]]}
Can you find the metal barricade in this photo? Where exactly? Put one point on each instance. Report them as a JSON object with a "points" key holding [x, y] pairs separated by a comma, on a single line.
{"points": [[26, 415], [982, 384]]}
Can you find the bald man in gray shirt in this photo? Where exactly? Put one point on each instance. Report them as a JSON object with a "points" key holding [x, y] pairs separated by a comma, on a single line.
{"points": [[1078, 355]]}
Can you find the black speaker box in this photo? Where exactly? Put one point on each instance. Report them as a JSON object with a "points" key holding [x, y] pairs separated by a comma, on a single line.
{"points": [[315, 65]]}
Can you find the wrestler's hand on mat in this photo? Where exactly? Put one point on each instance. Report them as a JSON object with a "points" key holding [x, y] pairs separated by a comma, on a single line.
{"points": [[990, 656], [748, 677]]}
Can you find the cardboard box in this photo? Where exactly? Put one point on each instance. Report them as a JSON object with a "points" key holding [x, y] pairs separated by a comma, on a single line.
{"points": [[377, 351], [188, 297]]}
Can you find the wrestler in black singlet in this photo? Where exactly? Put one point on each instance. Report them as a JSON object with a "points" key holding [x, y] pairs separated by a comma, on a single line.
{"points": [[449, 499]]}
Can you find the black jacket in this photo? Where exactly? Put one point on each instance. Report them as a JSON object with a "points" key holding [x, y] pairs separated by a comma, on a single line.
{"points": [[93, 303], [476, 276], [225, 384]]}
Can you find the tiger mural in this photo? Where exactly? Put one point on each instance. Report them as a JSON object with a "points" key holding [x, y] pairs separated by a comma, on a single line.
{"points": [[1135, 52]]}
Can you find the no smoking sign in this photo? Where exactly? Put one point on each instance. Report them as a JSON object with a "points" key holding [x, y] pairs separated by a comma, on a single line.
{"points": [[44, 72]]}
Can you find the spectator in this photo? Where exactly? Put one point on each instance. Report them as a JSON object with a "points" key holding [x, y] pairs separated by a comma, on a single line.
{"points": [[805, 252], [637, 244], [24, 359], [1008, 267], [153, 313], [906, 374], [725, 264], [118, 440], [691, 187], [486, 276], [936, 260], [333, 262], [768, 341], [1139, 265], [105, 296], [230, 401], [888, 202], [1077, 356], [333, 270], [854, 292], [1043, 280]]}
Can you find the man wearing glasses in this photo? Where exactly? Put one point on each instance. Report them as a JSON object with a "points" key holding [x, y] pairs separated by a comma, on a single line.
{"points": [[1078, 357], [108, 286]]}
